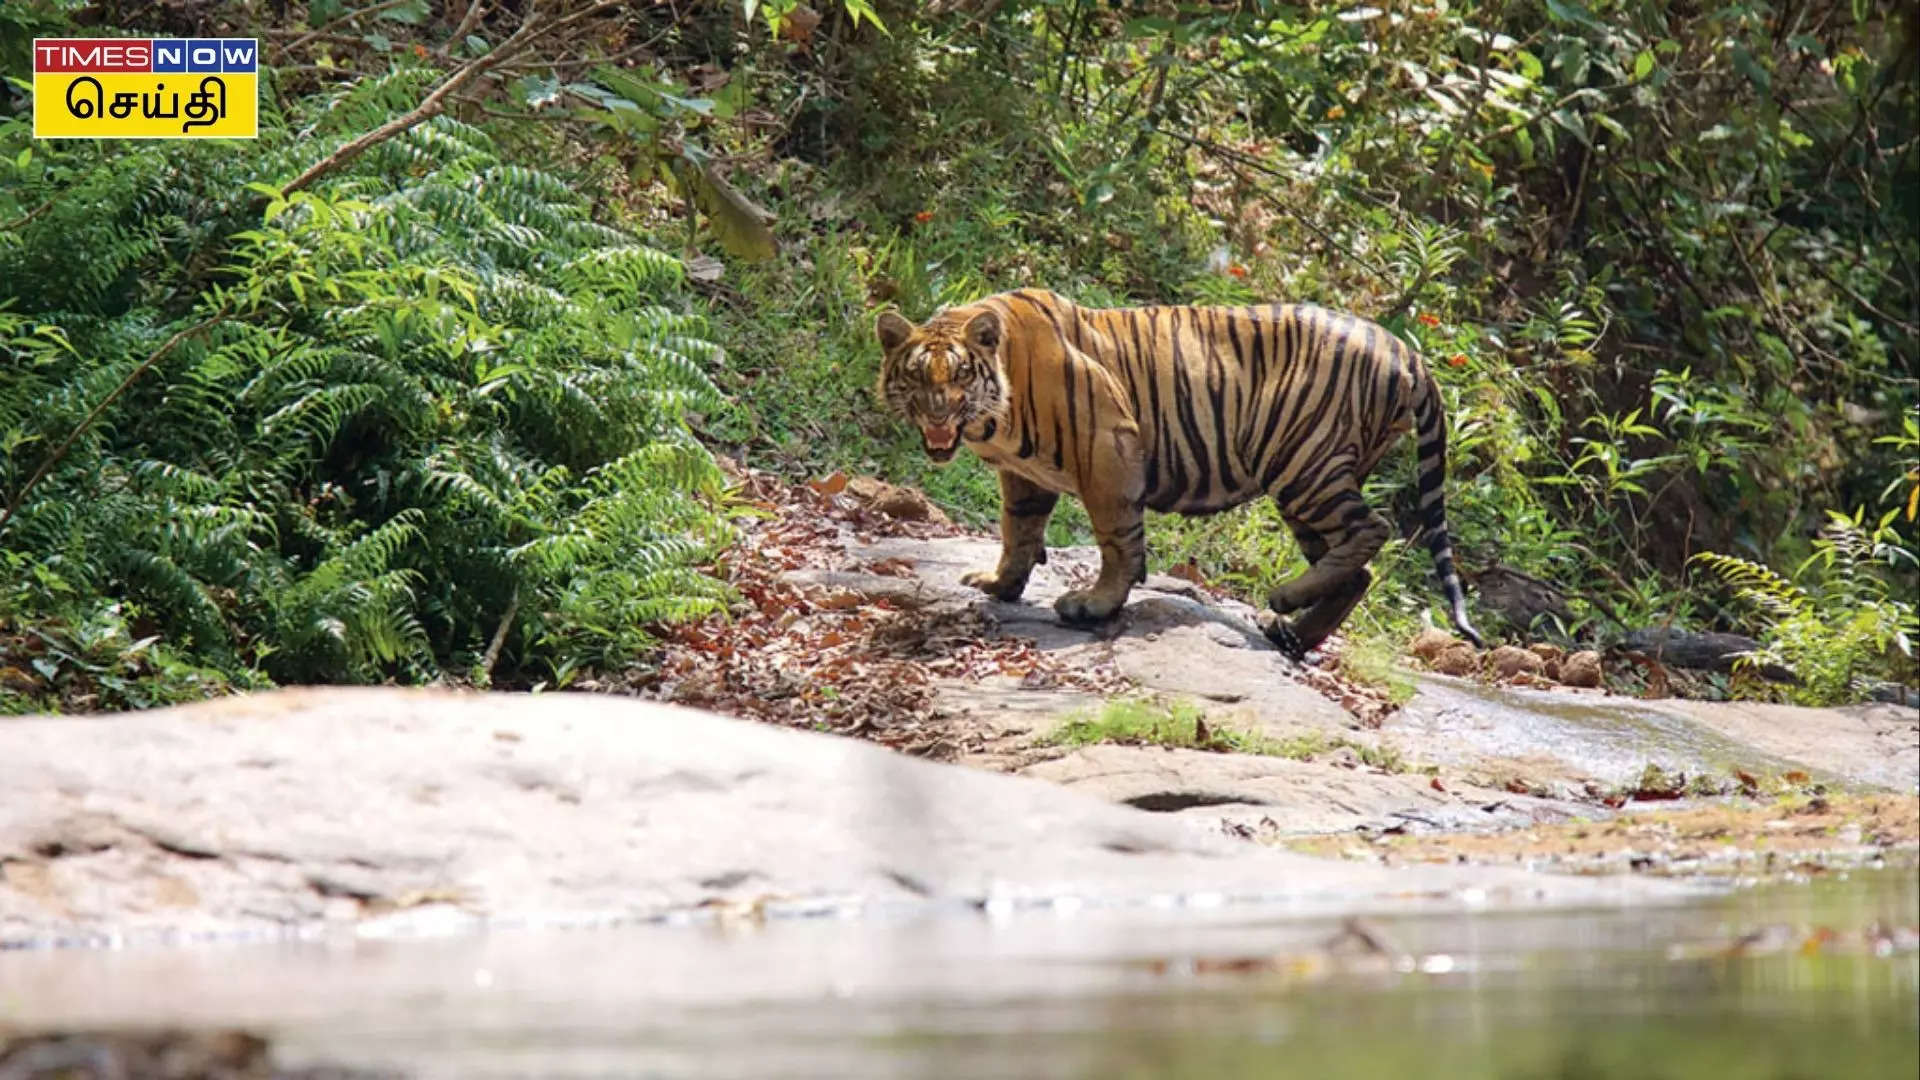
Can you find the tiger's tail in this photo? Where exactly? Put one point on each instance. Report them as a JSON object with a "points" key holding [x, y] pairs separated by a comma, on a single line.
{"points": [[1431, 431]]}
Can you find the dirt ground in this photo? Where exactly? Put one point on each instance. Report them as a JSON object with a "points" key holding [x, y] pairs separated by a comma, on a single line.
{"points": [[852, 621], [1807, 834]]}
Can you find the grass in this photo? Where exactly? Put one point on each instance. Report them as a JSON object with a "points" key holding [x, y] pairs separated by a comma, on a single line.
{"points": [[1374, 660], [1183, 725]]}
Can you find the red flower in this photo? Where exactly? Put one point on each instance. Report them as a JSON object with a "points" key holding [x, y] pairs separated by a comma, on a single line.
{"points": [[1429, 320], [923, 216], [1237, 270], [1457, 360]]}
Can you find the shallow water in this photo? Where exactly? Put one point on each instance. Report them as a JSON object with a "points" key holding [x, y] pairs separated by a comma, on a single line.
{"points": [[1459, 720], [1231, 992]]}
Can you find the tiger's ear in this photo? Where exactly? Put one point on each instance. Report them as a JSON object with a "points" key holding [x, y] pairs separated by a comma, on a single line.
{"points": [[893, 330], [983, 330]]}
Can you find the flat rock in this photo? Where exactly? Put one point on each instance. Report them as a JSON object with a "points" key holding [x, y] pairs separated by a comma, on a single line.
{"points": [[399, 809], [1280, 796], [1175, 642], [1170, 638], [1592, 735]]}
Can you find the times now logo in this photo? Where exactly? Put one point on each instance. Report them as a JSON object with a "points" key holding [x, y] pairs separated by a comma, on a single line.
{"points": [[143, 56]]}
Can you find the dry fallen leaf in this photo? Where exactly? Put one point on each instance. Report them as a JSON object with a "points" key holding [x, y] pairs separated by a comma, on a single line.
{"points": [[1187, 571], [704, 269], [799, 25], [829, 485]]}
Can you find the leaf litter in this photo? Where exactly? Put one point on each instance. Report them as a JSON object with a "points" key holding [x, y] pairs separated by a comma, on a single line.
{"points": [[836, 659]]}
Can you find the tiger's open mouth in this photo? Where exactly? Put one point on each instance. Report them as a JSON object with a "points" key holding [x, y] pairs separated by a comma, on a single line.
{"points": [[941, 439]]}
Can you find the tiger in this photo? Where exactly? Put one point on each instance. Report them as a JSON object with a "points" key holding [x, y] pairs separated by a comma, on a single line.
{"points": [[1177, 408]]}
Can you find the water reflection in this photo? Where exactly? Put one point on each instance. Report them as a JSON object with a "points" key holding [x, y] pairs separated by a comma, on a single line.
{"points": [[1780, 983]]}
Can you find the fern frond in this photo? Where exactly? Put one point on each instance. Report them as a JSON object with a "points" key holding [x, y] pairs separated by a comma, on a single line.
{"points": [[1774, 596]]}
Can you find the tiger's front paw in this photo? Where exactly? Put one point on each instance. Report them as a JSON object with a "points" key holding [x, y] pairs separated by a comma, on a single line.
{"points": [[1280, 632], [1084, 606], [994, 585]]}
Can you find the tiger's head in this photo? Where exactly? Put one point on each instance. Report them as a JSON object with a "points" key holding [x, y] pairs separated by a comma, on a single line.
{"points": [[943, 375]]}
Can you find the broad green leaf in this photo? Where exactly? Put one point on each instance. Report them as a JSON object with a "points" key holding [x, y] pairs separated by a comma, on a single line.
{"points": [[1573, 12], [743, 228], [1745, 64], [535, 91], [862, 11], [1612, 126], [322, 12], [412, 13]]}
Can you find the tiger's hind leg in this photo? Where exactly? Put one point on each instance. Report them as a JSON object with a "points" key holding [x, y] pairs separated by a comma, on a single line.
{"points": [[1337, 575], [1323, 618]]}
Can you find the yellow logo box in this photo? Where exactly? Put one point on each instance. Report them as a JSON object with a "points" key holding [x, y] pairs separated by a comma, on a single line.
{"points": [[134, 88]]}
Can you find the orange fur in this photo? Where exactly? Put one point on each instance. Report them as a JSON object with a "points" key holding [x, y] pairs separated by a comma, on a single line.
{"points": [[1178, 408]]}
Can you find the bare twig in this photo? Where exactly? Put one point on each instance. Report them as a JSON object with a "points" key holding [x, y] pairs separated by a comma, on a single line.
{"points": [[1235, 157], [522, 67], [30, 215], [46, 466], [522, 39], [1545, 110], [335, 24], [345, 40], [1400, 306], [334, 71], [467, 23], [1821, 269], [499, 636]]}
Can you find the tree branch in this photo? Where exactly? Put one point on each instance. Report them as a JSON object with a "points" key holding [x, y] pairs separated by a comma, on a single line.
{"points": [[467, 23], [30, 215], [522, 39], [1235, 157], [492, 656], [349, 17]]}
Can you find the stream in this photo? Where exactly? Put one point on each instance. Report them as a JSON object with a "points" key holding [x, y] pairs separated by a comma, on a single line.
{"points": [[1822, 989]]}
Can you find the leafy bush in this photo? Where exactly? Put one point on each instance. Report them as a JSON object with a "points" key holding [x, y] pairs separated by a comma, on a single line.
{"points": [[424, 418], [1662, 264], [1661, 261], [1846, 624]]}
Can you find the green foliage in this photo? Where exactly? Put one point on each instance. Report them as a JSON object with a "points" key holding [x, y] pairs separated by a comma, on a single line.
{"points": [[1658, 326], [1845, 624], [1183, 725], [1661, 262], [1180, 724], [436, 406], [1375, 662]]}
